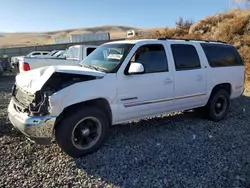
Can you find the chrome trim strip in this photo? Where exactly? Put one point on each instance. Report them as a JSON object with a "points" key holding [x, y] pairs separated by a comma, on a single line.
{"points": [[146, 102], [131, 104], [238, 87], [131, 98], [189, 96]]}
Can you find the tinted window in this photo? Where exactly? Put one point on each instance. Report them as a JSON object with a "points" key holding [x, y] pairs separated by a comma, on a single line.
{"points": [[90, 50], [36, 54], [185, 57], [153, 58], [45, 53], [221, 55]]}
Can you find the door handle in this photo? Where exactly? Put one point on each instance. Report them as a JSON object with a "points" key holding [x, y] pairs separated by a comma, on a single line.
{"points": [[168, 81], [199, 78]]}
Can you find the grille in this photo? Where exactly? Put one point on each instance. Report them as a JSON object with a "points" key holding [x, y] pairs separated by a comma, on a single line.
{"points": [[23, 98]]}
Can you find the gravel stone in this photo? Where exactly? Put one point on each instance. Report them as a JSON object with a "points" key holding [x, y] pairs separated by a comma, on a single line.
{"points": [[174, 150]]}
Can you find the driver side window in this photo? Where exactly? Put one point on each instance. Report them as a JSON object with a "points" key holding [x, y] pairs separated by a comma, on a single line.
{"points": [[152, 57]]}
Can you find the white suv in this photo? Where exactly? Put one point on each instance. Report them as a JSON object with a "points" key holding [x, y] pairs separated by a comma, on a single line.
{"points": [[123, 81]]}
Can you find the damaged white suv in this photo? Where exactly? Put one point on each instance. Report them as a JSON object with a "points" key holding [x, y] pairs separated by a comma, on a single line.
{"points": [[123, 81]]}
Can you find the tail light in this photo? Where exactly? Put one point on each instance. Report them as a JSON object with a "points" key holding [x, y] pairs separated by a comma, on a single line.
{"points": [[26, 66]]}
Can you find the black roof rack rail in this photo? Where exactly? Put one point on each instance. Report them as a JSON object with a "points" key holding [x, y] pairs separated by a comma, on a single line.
{"points": [[168, 38]]}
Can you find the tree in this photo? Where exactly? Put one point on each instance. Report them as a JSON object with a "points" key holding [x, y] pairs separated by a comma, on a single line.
{"points": [[247, 2], [183, 24]]}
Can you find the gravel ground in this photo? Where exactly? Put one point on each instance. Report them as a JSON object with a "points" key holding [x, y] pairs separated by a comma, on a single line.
{"points": [[178, 151]]}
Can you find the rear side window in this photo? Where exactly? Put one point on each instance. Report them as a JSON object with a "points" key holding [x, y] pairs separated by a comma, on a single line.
{"points": [[221, 55], [185, 57]]}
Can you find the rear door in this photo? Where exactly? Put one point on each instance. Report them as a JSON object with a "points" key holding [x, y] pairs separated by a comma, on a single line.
{"points": [[189, 76]]}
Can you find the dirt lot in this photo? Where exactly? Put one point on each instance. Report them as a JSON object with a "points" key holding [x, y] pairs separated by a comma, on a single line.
{"points": [[179, 151]]}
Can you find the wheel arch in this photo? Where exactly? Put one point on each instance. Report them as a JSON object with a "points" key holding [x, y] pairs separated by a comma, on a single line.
{"points": [[101, 103], [225, 86]]}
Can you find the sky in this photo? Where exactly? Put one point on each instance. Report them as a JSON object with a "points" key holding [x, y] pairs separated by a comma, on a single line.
{"points": [[51, 15]]}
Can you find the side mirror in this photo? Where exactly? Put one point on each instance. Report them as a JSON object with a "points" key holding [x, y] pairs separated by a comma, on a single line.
{"points": [[136, 68]]}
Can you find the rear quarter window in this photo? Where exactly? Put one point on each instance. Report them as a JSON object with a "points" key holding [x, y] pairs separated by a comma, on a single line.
{"points": [[221, 55]]}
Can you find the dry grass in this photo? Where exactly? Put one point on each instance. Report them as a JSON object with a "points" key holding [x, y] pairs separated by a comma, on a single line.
{"points": [[30, 39], [232, 27]]}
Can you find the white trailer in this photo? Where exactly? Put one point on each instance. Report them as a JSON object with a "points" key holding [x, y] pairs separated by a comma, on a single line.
{"points": [[90, 37]]}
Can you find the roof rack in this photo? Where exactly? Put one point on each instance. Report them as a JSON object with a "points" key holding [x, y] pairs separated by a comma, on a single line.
{"points": [[168, 38]]}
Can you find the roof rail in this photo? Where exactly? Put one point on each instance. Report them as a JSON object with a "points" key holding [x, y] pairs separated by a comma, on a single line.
{"points": [[169, 38]]}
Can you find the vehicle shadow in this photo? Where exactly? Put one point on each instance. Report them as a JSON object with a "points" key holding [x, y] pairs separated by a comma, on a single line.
{"points": [[169, 151]]}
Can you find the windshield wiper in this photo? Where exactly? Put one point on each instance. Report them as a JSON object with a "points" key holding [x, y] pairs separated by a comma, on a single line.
{"points": [[100, 68], [96, 68]]}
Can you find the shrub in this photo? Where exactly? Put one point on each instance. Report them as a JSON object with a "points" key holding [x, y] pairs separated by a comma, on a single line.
{"points": [[232, 27]]}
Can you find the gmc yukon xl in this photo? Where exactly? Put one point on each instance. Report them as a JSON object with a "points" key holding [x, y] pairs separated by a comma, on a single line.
{"points": [[123, 81]]}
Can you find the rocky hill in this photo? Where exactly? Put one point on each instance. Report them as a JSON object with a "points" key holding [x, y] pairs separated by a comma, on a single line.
{"points": [[232, 27]]}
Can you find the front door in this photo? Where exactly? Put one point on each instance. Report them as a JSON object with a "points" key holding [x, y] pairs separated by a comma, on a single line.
{"points": [[149, 93]]}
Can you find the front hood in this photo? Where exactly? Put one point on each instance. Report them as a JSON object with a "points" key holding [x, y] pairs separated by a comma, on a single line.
{"points": [[33, 80]]}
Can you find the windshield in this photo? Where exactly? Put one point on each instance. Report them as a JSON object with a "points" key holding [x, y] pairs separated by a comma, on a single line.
{"points": [[107, 57]]}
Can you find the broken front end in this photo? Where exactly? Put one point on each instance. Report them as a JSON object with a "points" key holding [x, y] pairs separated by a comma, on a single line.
{"points": [[31, 113]]}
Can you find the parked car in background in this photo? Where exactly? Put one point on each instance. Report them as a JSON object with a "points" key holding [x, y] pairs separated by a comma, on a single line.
{"points": [[72, 56], [124, 81], [52, 54], [59, 54], [15, 59]]}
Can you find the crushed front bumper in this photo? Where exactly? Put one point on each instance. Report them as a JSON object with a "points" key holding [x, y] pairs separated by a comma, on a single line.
{"points": [[37, 128]]}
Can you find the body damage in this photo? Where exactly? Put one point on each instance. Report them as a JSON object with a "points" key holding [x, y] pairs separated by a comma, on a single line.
{"points": [[86, 91], [34, 90]]}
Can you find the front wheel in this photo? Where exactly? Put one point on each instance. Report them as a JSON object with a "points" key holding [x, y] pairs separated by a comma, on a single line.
{"points": [[218, 105], [83, 132]]}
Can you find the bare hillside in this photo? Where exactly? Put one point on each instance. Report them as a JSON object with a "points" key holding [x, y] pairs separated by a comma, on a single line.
{"points": [[232, 27], [29, 39]]}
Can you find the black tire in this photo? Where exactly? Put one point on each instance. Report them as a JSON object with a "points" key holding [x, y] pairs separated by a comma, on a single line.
{"points": [[218, 105], [69, 127]]}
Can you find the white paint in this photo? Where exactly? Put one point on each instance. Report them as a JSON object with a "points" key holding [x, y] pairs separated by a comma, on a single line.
{"points": [[136, 68], [157, 93], [32, 81], [115, 56]]}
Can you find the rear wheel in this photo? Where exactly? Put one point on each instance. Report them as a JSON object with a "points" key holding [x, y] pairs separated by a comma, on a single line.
{"points": [[218, 105], [83, 132]]}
